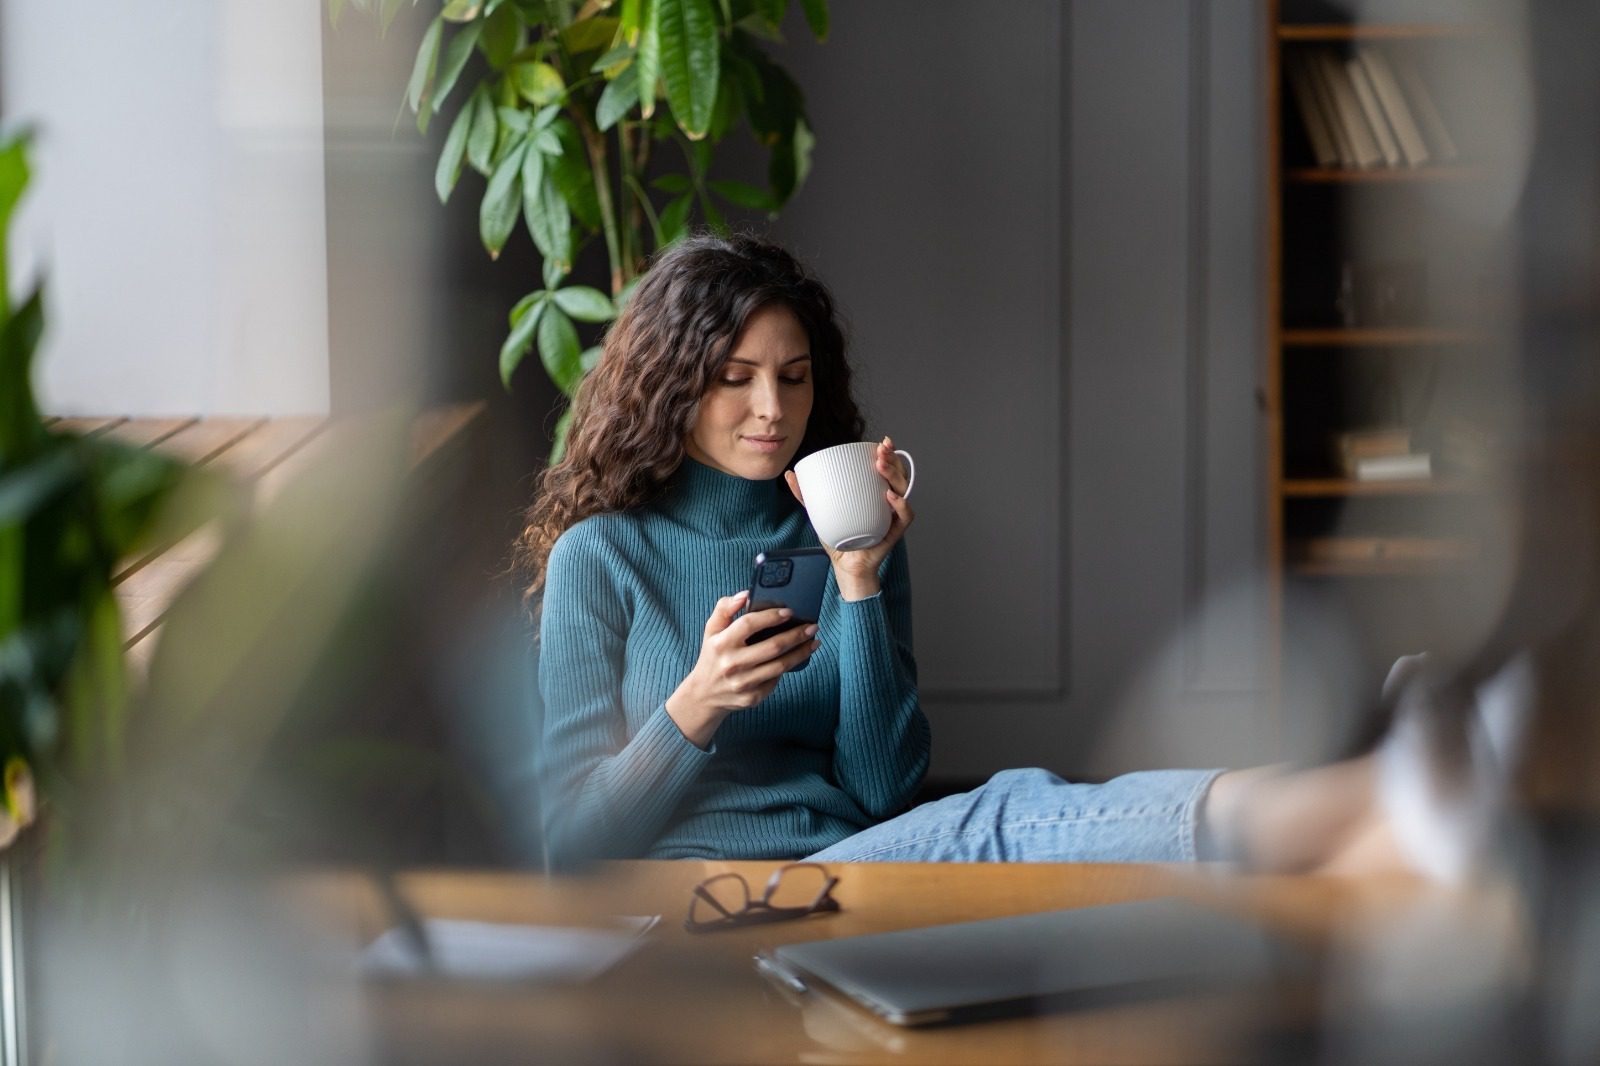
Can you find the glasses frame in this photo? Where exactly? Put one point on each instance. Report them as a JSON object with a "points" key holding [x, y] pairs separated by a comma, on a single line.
{"points": [[759, 911]]}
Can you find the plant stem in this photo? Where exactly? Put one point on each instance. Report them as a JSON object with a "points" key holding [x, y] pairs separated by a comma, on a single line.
{"points": [[595, 142], [644, 201], [629, 219]]}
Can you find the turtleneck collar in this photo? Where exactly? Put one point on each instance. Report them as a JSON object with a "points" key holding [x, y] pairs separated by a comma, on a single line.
{"points": [[707, 499]]}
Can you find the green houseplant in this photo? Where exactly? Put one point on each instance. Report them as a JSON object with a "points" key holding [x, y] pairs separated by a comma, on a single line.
{"points": [[601, 119], [71, 508]]}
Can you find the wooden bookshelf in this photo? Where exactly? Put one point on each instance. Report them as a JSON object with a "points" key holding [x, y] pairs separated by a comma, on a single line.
{"points": [[1325, 356]]}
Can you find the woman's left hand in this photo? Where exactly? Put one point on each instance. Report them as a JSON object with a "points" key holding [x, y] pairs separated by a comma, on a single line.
{"points": [[857, 571]]}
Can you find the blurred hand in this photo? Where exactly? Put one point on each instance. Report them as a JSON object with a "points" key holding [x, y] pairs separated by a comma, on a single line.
{"points": [[857, 571], [730, 676]]}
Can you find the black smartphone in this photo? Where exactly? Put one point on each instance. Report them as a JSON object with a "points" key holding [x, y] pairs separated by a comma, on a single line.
{"points": [[789, 577]]}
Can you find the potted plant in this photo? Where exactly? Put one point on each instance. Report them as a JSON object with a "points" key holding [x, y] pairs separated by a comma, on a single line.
{"points": [[601, 119]]}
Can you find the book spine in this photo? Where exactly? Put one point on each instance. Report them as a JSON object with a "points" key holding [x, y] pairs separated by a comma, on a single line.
{"points": [[1324, 94], [1406, 132], [1439, 139], [1323, 146], [1387, 146], [1362, 142]]}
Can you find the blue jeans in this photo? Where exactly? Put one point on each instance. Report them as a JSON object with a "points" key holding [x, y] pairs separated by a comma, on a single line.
{"points": [[1035, 816]]}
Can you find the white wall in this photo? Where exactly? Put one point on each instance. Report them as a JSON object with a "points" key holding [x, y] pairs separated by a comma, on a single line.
{"points": [[177, 211]]}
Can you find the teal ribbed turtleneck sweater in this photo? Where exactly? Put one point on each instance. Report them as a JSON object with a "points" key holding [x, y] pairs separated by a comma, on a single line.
{"points": [[837, 747]]}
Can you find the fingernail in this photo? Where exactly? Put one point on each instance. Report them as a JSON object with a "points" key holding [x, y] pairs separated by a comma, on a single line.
{"points": [[811, 631], [784, 612]]}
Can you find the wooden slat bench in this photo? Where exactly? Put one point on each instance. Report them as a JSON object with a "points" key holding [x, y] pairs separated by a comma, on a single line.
{"points": [[260, 455]]}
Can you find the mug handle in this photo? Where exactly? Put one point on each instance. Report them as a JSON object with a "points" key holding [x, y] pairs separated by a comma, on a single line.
{"points": [[911, 472]]}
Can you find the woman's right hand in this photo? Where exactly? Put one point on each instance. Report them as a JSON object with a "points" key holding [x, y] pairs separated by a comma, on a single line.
{"points": [[731, 677]]}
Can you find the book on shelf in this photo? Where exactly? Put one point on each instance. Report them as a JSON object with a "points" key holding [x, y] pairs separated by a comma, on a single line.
{"points": [[1323, 93], [1413, 466], [1309, 103], [1363, 144], [1388, 147], [1440, 143], [1373, 443], [1403, 123]]}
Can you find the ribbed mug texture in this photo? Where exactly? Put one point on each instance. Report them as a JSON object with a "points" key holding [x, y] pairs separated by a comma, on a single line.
{"points": [[844, 495]]}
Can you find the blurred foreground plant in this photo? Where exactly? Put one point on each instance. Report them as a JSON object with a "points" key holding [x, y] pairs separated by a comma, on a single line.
{"points": [[70, 509], [562, 116]]}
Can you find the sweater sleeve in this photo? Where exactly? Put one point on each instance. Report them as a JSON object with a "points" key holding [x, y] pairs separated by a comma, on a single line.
{"points": [[882, 744], [604, 793]]}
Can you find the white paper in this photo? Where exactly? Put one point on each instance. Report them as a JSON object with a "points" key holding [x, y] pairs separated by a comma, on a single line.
{"points": [[491, 951]]}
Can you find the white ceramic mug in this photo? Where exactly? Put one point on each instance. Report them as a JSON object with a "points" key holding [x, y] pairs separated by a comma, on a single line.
{"points": [[844, 494]]}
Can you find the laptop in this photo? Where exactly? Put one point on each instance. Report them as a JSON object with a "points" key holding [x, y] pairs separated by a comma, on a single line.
{"points": [[1001, 967]]}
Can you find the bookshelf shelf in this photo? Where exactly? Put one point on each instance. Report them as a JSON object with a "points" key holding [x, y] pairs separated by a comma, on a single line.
{"points": [[1383, 175], [1379, 337], [1340, 486], [1332, 31], [1377, 569]]}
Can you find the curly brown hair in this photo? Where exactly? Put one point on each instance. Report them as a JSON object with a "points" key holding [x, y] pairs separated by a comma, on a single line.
{"points": [[635, 409]]}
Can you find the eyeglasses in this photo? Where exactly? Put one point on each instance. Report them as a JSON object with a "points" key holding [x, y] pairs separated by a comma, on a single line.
{"points": [[793, 891]]}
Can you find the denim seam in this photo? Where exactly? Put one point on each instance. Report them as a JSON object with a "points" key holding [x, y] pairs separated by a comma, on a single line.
{"points": [[1191, 806], [987, 831]]}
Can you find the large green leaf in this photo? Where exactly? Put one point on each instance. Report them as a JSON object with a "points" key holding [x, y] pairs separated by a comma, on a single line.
{"points": [[455, 58], [630, 20], [590, 34], [502, 36], [743, 195], [461, 10], [13, 180], [572, 174], [387, 10], [675, 219], [558, 440], [648, 58], [690, 61], [482, 131], [585, 304], [538, 221], [555, 213], [497, 215], [673, 183], [423, 67], [538, 83], [448, 172], [28, 487], [619, 97], [816, 17], [559, 349], [20, 430], [622, 53], [520, 340], [772, 11]]}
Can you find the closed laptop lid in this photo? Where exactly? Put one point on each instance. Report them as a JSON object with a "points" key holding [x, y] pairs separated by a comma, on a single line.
{"points": [[1011, 965]]}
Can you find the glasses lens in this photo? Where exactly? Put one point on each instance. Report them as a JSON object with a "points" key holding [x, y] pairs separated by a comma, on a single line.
{"points": [[797, 886], [730, 894]]}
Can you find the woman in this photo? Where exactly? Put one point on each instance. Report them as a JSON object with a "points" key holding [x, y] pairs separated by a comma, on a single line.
{"points": [[665, 735]]}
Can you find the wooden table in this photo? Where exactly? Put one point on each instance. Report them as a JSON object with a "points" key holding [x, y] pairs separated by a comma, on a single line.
{"points": [[697, 998], [259, 455]]}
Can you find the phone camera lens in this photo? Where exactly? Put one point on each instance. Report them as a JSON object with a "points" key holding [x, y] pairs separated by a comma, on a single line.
{"points": [[776, 574]]}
